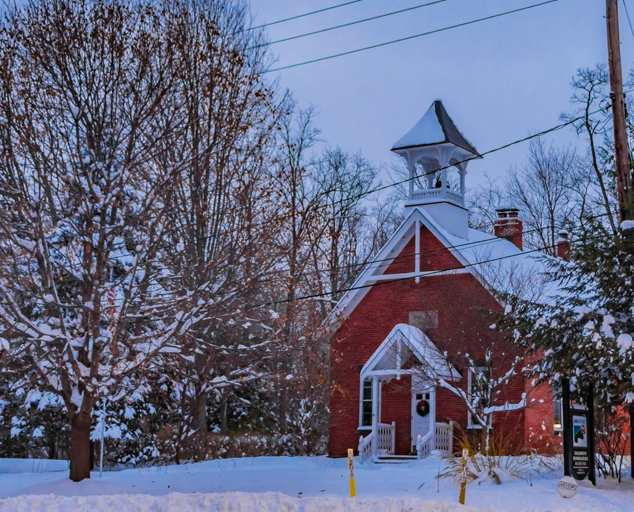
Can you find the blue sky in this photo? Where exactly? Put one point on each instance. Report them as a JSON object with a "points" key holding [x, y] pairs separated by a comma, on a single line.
{"points": [[500, 80]]}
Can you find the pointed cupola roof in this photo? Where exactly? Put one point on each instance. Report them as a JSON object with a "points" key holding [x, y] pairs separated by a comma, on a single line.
{"points": [[435, 127]]}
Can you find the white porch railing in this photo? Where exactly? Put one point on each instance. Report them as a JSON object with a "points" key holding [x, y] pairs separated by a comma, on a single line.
{"points": [[384, 443], [366, 444], [386, 436], [444, 438], [424, 445], [441, 441]]}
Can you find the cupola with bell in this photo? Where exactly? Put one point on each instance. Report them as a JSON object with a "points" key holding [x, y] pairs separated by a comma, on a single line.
{"points": [[436, 151]]}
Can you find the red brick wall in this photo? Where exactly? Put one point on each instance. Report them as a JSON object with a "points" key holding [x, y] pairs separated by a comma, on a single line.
{"points": [[463, 327], [539, 433]]}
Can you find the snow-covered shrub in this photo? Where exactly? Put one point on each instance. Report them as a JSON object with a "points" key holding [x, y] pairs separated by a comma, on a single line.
{"points": [[33, 424], [308, 422], [253, 444]]}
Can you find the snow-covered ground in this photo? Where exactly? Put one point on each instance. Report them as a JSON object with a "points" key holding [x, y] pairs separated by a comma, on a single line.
{"points": [[296, 484]]}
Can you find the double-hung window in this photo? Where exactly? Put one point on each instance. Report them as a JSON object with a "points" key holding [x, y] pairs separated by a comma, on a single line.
{"points": [[558, 416], [366, 403]]}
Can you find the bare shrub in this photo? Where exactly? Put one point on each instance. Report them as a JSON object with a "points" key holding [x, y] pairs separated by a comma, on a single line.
{"points": [[612, 434]]}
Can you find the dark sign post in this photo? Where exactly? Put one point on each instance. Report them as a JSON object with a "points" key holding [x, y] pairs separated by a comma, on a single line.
{"points": [[578, 437], [565, 405], [591, 447]]}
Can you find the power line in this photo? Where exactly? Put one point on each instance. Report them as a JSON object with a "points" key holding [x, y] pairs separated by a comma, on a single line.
{"points": [[417, 176], [350, 24], [429, 252], [396, 279], [385, 187], [410, 37], [491, 151], [304, 15], [628, 18]]}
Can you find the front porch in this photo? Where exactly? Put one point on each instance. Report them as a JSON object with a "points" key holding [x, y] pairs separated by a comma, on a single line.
{"points": [[439, 439], [406, 351]]}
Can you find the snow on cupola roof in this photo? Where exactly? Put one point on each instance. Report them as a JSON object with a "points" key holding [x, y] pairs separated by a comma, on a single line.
{"points": [[435, 127]]}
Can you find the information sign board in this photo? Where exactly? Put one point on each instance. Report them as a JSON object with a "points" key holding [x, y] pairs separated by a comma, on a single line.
{"points": [[580, 451]]}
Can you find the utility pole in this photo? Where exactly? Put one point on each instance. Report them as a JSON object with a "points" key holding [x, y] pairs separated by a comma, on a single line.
{"points": [[621, 153]]}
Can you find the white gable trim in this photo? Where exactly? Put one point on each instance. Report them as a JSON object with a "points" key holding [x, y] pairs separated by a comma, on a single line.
{"points": [[374, 272], [435, 365]]}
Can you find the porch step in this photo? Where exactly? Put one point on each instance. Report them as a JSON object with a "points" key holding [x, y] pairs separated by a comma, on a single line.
{"points": [[395, 459]]}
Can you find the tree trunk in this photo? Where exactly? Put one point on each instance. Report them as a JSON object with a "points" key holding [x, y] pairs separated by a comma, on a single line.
{"points": [[80, 446], [199, 424], [52, 452], [283, 408], [484, 449], [223, 417]]}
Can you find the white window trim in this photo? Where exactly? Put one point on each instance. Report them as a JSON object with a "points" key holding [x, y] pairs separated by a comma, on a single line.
{"points": [[368, 427], [470, 424], [559, 428]]}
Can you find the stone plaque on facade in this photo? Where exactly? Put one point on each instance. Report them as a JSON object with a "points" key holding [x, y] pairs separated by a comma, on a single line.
{"points": [[424, 320]]}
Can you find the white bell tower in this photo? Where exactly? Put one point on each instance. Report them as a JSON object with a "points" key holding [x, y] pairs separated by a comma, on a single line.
{"points": [[437, 146]]}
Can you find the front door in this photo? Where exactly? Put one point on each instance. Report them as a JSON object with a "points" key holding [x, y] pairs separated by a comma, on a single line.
{"points": [[423, 397]]}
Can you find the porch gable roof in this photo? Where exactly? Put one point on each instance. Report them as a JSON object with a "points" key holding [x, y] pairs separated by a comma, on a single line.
{"points": [[402, 342]]}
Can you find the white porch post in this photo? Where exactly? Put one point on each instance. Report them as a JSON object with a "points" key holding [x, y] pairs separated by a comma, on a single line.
{"points": [[432, 419], [375, 413]]}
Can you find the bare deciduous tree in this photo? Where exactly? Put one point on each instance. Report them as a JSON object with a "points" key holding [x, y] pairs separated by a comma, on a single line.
{"points": [[84, 198]]}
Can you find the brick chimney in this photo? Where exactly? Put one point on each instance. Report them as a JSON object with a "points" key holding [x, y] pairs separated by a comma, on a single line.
{"points": [[509, 226], [563, 245]]}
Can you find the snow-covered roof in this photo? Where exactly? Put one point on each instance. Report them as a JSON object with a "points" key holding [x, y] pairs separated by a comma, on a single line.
{"points": [[402, 342], [496, 262], [435, 127]]}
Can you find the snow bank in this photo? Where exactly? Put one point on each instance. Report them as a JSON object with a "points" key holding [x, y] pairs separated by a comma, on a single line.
{"points": [[294, 484], [234, 502], [32, 465]]}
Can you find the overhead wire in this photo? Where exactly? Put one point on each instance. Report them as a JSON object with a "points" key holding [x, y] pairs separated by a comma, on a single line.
{"points": [[408, 38], [336, 27], [629, 20], [304, 15], [422, 175], [428, 274], [368, 265]]}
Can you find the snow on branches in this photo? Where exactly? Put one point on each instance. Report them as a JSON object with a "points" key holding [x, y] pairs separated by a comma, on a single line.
{"points": [[586, 334]]}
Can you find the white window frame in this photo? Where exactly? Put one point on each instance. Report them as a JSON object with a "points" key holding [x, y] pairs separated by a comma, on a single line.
{"points": [[470, 423], [558, 404], [361, 425]]}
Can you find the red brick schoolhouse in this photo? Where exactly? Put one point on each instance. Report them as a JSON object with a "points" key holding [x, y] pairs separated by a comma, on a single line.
{"points": [[427, 298]]}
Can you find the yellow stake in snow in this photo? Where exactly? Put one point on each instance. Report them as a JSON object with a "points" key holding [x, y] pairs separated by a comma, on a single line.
{"points": [[463, 477], [353, 490]]}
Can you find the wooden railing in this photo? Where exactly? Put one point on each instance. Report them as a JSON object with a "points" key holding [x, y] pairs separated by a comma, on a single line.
{"points": [[386, 438], [365, 447], [444, 438], [424, 445]]}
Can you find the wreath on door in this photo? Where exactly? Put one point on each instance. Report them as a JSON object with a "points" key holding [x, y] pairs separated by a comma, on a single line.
{"points": [[422, 408]]}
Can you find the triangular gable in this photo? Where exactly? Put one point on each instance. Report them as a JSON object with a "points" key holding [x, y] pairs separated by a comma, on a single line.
{"points": [[386, 256], [473, 255], [404, 341]]}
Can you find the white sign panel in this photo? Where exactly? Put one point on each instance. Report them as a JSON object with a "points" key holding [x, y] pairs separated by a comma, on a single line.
{"points": [[567, 487]]}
